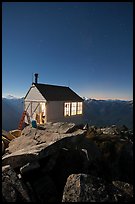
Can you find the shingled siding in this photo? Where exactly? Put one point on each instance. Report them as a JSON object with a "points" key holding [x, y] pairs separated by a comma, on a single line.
{"points": [[55, 113]]}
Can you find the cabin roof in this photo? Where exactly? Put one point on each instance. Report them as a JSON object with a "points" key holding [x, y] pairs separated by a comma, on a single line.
{"points": [[57, 93]]}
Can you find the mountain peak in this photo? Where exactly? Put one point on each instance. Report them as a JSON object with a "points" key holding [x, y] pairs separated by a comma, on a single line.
{"points": [[9, 96]]}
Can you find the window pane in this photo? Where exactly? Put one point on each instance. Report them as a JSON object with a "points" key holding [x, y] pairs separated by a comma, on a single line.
{"points": [[79, 108], [73, 108], [67, 109]]}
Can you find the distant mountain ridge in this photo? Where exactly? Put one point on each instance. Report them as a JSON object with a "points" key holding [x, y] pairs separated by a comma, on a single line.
{"points": [[9, 96], [108, 112], [12, 109], [96, 112]]}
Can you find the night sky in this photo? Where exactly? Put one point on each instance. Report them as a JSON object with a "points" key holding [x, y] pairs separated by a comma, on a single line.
{"points": [[86, 46]]}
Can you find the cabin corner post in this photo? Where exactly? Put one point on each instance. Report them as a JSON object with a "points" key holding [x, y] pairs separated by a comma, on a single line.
{"points": [[31, 109], [24, 105]]}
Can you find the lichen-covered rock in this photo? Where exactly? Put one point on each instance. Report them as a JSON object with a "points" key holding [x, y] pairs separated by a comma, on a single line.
{"points": [[86, 188], [13, 190]]}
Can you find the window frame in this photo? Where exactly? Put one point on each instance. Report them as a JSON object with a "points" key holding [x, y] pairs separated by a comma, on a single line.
{"points": [[78, 109], [68, 110], [73, 108]]}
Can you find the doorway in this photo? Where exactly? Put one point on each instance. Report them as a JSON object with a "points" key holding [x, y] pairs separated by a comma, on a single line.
{"points": [[42, 113]]}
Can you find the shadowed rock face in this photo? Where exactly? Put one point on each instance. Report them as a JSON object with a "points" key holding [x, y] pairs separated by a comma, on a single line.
{"points": [[45, 157], [57, 168], [13, 188]]}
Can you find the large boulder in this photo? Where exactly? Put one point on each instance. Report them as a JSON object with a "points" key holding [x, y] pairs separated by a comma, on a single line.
{"points": [[46, 134], [39, 143]]}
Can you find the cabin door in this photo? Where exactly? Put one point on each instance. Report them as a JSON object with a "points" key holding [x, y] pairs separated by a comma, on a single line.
{"points": [[42, 113]]}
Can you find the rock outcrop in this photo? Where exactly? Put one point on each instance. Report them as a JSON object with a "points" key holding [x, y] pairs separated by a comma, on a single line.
{"points": [[13, 189], [87, 188], [44, 157]]}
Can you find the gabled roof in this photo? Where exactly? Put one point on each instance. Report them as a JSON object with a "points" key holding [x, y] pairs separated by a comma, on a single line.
{"points": [[57, 93]]}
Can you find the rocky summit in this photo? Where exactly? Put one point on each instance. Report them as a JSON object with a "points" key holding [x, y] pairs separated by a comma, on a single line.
{"points": [[64, 162]]}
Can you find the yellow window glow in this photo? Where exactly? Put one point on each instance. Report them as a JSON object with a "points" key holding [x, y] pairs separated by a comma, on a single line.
{"points": [[73, 108], [79, 108], [66, 109]]}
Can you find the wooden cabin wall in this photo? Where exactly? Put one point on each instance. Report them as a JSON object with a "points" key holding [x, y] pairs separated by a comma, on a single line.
{"points": [[55, 113]]}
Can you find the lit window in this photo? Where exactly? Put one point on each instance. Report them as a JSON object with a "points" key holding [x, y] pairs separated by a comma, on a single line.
{"points": [[79, 108], [43, 108], [73, 108], [67, 109]]}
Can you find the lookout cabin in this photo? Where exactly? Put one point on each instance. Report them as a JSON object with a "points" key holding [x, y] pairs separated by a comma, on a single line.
{"points": [[52, 103]]}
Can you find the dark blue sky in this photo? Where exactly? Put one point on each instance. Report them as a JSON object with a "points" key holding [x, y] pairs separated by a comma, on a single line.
{"points": [[86, 46]]}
